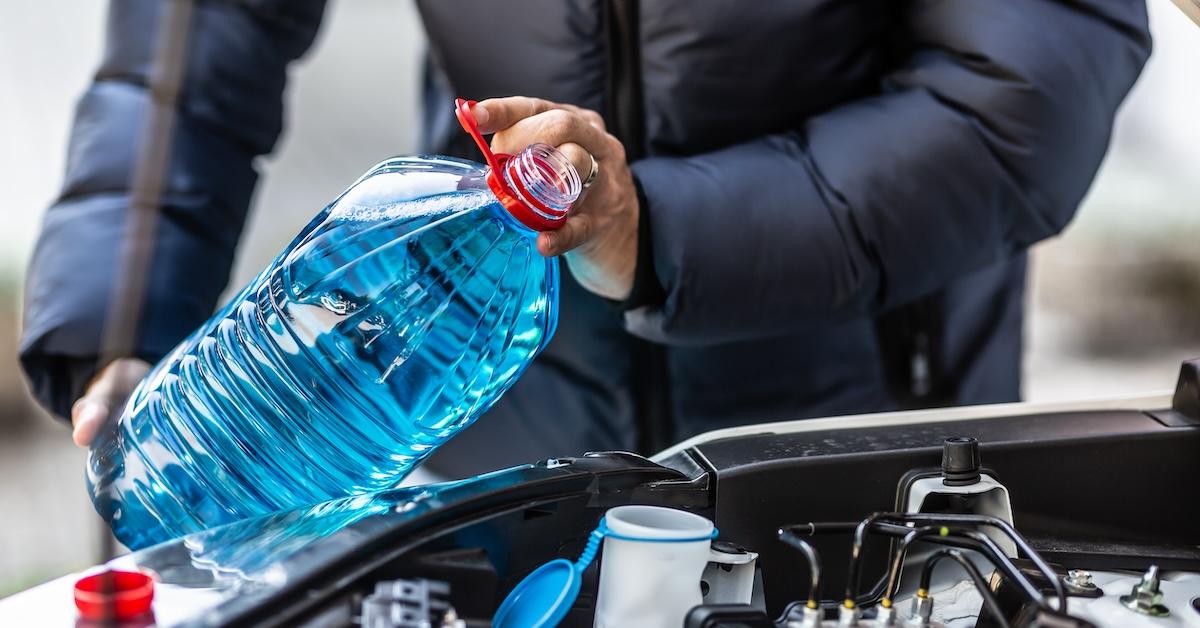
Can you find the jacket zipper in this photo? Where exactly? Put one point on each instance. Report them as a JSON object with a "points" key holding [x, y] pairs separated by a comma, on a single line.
{"points": [[623, 104], [624, 76]]}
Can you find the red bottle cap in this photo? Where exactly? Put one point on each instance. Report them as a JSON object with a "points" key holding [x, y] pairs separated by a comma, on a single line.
{"points": [[519, 202], [114, 594]]}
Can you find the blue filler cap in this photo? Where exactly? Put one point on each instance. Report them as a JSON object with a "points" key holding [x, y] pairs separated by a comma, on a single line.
{"points": [[543, 598]]}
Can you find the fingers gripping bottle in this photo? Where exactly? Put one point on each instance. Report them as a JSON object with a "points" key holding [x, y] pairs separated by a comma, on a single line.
{"points": [[398, 315]]}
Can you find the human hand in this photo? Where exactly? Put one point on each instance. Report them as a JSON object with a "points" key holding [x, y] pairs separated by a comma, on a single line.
{"points": [[599, 237], [105, 397]]}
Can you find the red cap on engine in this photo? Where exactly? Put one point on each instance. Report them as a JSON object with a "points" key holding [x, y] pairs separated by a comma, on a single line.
{"points": [[114, 594]]}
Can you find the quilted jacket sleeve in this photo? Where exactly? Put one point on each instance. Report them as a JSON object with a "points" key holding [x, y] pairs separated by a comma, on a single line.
{"points": [[229, 111], [981, 143]]}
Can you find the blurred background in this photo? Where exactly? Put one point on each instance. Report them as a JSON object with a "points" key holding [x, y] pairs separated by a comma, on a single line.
{"points": [[1112, 307]]}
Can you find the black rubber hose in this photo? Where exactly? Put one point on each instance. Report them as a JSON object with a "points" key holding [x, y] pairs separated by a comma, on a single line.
{"points": [[853, 572], [873, 521], [814, 565], [846, 527], [984, 545], [967, 539], [813, 528], [956, 542], [893, 574], [989, 598], [1008, 530], [996, 555]]}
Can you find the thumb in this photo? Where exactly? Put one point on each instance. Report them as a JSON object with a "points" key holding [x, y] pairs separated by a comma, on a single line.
{"points": [[88, 415]]}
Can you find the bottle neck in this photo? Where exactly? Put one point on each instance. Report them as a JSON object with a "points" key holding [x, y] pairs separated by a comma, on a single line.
{"points": [[541, 185]]}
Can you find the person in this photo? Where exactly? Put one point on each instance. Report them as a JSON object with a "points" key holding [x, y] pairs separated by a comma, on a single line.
{"points": [[801, 209]]}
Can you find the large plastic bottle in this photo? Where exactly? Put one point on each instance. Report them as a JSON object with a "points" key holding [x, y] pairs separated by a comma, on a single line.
{"points": [[398, 315]]}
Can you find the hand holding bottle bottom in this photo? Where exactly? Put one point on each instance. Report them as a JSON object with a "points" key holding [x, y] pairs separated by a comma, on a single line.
{"points": [[105, 397]]}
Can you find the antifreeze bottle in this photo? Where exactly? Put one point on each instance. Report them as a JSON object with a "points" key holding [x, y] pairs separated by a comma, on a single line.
{"points": [[393, 320]]}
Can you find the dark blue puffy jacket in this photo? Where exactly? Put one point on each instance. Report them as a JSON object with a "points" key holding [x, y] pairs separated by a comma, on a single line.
{"points": [[839, 195]]}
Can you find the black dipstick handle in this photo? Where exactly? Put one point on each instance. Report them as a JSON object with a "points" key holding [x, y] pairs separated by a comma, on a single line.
{"points": [[960, 461]]}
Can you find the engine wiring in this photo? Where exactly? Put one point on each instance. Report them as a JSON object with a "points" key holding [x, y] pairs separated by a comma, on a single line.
{"points": [[989, 598], [956, 532]]}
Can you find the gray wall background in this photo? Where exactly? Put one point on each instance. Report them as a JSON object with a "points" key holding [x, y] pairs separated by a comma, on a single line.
{"points": [[1113, 306]]}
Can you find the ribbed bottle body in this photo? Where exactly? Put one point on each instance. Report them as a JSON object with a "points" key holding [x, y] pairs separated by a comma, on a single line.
{"points": [[397, 317]]}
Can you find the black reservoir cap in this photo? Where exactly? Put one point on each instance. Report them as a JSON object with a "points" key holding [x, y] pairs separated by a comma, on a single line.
{"points": [[960, 461]]}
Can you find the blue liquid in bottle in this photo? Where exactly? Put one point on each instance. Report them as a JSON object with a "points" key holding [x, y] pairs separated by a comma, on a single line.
{"points": [[398, 315]]}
